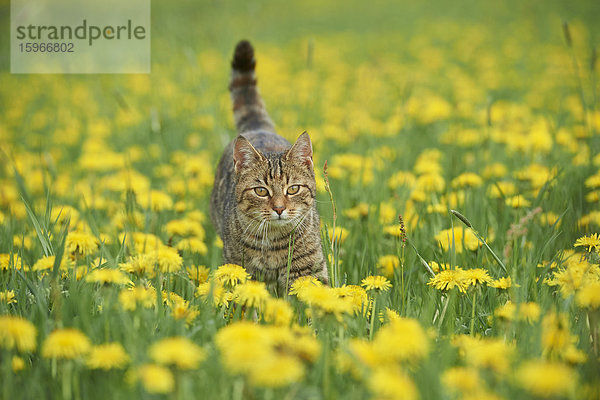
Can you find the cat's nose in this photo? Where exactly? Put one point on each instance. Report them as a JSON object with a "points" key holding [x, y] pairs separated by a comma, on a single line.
{"points": [[278, 209]]}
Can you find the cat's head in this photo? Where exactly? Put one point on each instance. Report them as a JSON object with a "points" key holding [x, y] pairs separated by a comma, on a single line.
{"points": [[280, 187]]}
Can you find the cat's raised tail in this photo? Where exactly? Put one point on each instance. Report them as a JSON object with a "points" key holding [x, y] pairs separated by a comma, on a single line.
{"points": [[249, 110]]}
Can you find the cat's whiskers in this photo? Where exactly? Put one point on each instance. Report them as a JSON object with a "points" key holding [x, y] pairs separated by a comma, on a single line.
{"points": [[299, 223], [264, 235], [252, 223]]}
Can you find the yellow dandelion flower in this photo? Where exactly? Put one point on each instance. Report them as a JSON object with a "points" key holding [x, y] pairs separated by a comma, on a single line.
{"points": [[178, 351], [278, 312], [501, 189], [8, 297], [231, 274], [377, 283], [219, 295], [467, 179], [17, 332], [495, 170], [302, 283], [66, 343], [47, 263], [393, 230], [141, 264], [387, 212], [592, 218], [518, 201], [62, 213], [360, 210], [403, 340], [546, 379], [241, 344], [593, 197], [355, 295], [197, 216], [573, 355], [251, 294], [537, 174], [276, 371], [325, 300], [491, 353], [363, 351], [388, 315], [107, 356], [141, 242], [462, 379], [435, 267], [155, 378], [164, 259], [593, 181], [79, 271], [476, 276], [402, 178], [198, 274], [392, 383], [22, 242], [589, 295], [461, 238], [169, 298], [502, 283], [437, 209], [193, 245], [131, 297], [167, 259], [185, 228], [155, 200], [592, 241], [556, 337], [430, 182], [449, 279], [17, 364], [108, 275], [341, 234], [506, 312], [578, 272], [11, 261], [550, 218], [81, 243], [529, 312], [181, 309], [305, 345], [387, 264]]}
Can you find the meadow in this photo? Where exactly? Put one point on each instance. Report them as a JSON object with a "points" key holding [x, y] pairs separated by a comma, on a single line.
{"points": [[456, 154]]}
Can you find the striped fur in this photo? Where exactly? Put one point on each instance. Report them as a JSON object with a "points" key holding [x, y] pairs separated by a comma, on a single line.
{"points": [[257, 230]]}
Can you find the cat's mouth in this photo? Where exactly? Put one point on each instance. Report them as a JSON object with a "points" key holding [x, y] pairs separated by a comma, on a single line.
{"points": [[279, 221]]}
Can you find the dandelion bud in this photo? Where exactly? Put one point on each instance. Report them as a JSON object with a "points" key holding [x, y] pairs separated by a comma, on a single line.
{"points": [[463, 219]]}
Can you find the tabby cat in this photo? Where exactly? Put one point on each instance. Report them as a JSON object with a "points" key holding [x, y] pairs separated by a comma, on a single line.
{"points": [[264, 190]]}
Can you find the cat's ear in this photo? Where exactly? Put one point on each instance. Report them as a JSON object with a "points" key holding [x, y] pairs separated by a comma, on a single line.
{"points": [[301, 150], [244, 154]]}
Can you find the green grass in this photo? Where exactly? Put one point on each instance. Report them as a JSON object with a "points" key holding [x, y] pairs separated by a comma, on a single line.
{"points": [[377, 86]]}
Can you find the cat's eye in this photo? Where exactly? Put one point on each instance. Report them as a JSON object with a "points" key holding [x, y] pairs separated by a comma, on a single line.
{"points": [[261, 191], [293, 189]]}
